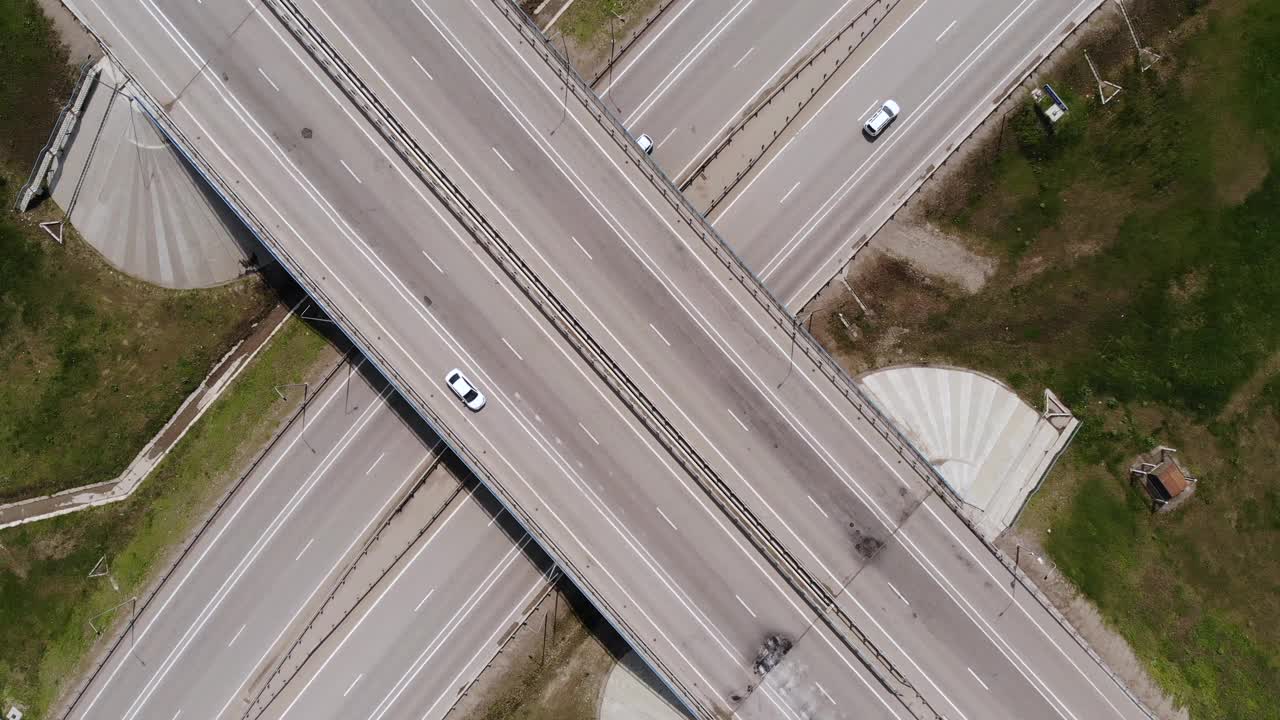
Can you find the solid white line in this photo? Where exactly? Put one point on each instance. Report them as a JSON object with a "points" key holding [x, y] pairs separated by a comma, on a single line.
{"points": [[277, 89], [504, 160], [556, 17], [584, 250], [353, 685], [744, 57], [175, 715], [423, 601], [715, 137], [433, 262], [424, 70], [688, 61], [744, 605], [895, 592], [304, 549], [815, 504], [735, 417], [547, 88], [788, 193], [375, 463], [975, 677], [666, 137], [660, 335], [944, 32], [353, 172], [824, 693], [635, 57], [588, 432], [236, 636], [513, 350], [488, 643], [664, 517]]}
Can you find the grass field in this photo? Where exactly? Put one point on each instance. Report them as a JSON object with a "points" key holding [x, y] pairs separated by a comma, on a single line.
{"points": [[94, 362], [1140, 279], [46, 598]]}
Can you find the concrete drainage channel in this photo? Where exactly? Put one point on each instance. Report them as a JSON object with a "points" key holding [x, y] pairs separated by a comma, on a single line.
{"points": [[814, 592]]}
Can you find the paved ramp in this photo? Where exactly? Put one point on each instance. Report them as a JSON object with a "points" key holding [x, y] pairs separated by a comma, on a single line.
{"points": [[135, 200], [992, 448]]}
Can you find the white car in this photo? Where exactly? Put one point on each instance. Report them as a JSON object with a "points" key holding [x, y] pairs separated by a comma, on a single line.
{"points": [[878, 122], [466, 392], [646, 143]]}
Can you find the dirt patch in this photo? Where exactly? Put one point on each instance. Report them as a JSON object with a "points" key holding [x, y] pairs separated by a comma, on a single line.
{"points": [[79, 43], [554, 668], [1245, 395], [933, 252], [593, 31]]}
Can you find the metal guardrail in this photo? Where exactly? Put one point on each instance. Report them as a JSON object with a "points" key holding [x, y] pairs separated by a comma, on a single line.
{"points": [[908, 453], [782, 87], [29, 188], [562, 318]]}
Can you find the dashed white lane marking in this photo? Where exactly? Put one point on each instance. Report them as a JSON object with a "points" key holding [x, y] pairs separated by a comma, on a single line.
{"points": [[815, 504], [793, 189], [744, 57], [584, 250], [504, 160], [895, 592], [944, 32], [975, 677], [874, 106], [433, 262], [659, 334], [513, 350], [588, 432], [664, 517], [353, 172], [375, 463], [824, 693], [236, 636], [735, 417], [273, 87], [744, 605], [424, 70], [352, 686], [423, 601], [304, 549]]}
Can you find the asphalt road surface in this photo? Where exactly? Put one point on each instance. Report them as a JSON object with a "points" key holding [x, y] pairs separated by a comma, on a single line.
{"points": [[698, 69], [578, 468], [825, 187]]}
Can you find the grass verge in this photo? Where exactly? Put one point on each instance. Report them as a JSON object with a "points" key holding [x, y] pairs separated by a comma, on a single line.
{"points": [[46, 598], [94, 362], [1140, 249]]}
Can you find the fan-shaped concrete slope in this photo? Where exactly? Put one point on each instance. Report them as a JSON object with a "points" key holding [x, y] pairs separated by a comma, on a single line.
{"points": [[992, 448]]}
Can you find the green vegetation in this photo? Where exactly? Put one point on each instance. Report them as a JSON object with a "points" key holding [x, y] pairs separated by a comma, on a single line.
{"points": [[34, 80], [587, 21], [94, 362], [1140, 279], [46, 598]]}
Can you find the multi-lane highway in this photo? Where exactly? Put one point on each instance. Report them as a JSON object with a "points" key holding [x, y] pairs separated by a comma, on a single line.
{"points": [[311, 504], [704, 63], [825, 188], [602, 488]]}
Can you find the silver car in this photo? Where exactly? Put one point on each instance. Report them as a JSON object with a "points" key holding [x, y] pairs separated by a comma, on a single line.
{"points": [[878, 122], [466, 392]]}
